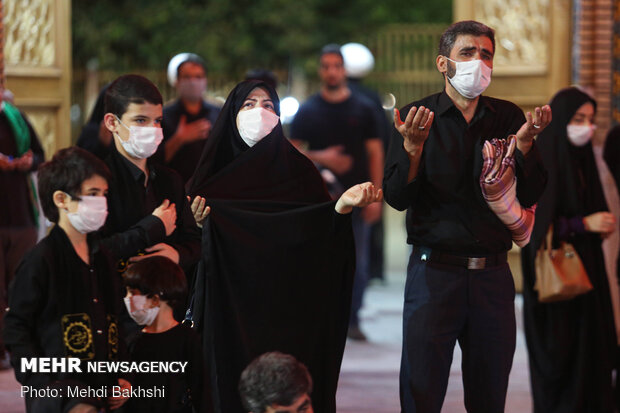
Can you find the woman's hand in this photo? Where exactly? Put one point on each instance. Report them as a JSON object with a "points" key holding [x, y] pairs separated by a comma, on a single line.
{"points": [[200, 210], [359, 195], [602, 222]]}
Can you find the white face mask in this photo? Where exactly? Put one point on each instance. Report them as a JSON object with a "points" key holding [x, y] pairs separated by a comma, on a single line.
{"points": [[192, 89], [255, 124], [143, 140], [471, 78], [91, 213], [579, 135], [141, 315]]}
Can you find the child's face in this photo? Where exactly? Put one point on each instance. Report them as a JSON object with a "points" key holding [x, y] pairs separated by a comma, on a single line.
{"points": [[137, 114], [132, 293], [93, 186]]}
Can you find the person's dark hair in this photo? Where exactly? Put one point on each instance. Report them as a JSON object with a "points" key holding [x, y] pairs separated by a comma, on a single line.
{"points": [[471, 27], [273, 378], [128, 89], [264, 75], [193, 58], [332, 48], [158, 276], [66, 172]]}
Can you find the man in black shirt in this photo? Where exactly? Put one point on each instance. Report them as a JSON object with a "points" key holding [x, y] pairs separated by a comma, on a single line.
{"points": [[341, 133], [459, 285], [20, 154], [187, 121]]}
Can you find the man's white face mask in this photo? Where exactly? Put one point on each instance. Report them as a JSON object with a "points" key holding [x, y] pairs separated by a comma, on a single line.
{"points": [[471, 78]]}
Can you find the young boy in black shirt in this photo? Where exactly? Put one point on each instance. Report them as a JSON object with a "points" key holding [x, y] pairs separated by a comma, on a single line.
{"points": [[65, 297]]}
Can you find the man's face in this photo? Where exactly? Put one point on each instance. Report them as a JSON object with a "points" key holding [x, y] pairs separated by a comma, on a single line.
{"points": [[137, 114], [467, 47], [332, 71], [303, 404], [191, 70]]}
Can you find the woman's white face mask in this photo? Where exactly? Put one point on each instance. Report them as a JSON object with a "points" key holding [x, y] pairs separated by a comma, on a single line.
{"points": [[579, 135], [254, 124]]}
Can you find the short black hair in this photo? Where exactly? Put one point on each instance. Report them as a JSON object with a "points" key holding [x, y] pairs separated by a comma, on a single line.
{"points": [[66, 172], [332, 48], [193, 58], [273, 378], [128, 89], [158, 276], [471, 27]]}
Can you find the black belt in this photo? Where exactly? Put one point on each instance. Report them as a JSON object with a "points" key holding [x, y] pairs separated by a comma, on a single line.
{"points": [[471, 263]]}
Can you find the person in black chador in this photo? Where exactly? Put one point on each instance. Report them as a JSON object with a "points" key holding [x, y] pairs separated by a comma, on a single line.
{"points": [[95, 137], [20, 154], [277, 267], [459, 285], [65, 298], [571, 343]]}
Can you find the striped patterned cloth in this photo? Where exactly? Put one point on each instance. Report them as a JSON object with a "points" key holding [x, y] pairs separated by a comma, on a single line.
{"points": [[499, 188]]}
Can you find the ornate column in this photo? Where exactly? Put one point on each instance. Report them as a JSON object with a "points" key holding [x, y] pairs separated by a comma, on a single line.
{"points": [[37, 65]]}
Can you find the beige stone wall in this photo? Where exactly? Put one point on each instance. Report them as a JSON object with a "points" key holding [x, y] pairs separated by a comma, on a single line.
{"points": [[37, 65]]}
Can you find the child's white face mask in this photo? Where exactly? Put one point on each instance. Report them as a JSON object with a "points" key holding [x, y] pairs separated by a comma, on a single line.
{"points": [[136, 307], [91, 213]]}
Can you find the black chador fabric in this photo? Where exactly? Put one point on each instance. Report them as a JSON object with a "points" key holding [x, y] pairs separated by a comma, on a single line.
{"points": [[278, 261], [570, 343]]}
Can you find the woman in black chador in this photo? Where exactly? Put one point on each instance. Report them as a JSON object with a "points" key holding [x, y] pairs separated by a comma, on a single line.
{"points": [[278, 255], [571, 343]]}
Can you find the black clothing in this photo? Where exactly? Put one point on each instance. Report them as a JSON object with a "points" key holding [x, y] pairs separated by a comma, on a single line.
{"points": [[349, 123], [571, 344], [183, 390], [187, 157], [277, 267], [89, 136], [446, 304], [62, 307], [15, 190], [131, 227], [445, 207], [447, 214]]}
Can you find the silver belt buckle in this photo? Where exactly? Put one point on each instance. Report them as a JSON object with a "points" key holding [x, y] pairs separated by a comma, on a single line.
{"points": [[476, 263]]}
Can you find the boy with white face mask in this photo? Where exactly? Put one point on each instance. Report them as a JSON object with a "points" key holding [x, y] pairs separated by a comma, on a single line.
{"points": [[65, 301], [148, 209], [149, 213], [155, 287], [458, 267]]}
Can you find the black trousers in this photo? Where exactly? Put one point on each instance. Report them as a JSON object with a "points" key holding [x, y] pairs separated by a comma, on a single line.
{"points": [[444, 304]]}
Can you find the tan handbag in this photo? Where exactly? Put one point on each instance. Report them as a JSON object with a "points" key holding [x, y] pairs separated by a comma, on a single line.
{"points": [[560, 274]]}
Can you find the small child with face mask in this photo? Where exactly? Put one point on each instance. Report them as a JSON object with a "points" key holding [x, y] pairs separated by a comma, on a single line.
{"points": [[155, 287]]}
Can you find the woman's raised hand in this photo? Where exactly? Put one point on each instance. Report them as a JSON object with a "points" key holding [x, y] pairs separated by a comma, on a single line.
{"points": [[200, 210], [359, 195]]}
